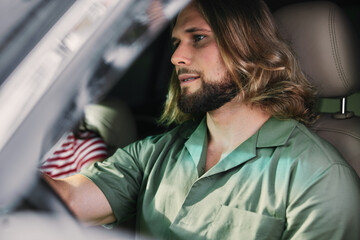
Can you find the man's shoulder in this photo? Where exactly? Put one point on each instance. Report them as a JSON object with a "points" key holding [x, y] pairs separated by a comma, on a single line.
{"points": [[308, 147], [314, 161], [318, 144]]}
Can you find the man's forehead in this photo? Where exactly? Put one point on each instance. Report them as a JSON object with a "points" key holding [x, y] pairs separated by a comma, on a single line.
{"points": [[190, 18]]}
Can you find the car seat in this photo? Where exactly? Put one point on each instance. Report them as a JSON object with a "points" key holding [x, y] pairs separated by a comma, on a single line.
{"points": [[327, 47], [113, 120]]}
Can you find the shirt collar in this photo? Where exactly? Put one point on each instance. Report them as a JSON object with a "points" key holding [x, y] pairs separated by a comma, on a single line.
{"points": [[189, 127], [196, 141], [274, 132]]}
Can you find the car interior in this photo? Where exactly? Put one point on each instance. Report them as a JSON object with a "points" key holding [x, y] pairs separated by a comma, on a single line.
{"points": [[57, 58], [326, 44]]}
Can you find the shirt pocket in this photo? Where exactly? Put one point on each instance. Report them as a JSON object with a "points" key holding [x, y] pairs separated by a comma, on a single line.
{"points": [[234, 223]]}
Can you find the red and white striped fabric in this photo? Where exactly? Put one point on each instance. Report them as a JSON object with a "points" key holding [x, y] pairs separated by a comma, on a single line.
{"points": [[73, 154]]}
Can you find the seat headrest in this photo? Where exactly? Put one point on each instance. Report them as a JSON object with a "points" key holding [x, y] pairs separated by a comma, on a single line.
{"points": [[326, 45]]}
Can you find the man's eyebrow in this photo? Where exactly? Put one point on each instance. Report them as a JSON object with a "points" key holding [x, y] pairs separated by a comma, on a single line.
{"points": [[195, 29]]}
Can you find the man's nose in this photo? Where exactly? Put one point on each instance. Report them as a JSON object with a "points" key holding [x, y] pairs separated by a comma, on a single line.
{"points": [[181, 56]]}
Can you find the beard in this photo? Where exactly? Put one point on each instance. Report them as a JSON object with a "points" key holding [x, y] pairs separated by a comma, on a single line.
{"points": [[211, 96]]}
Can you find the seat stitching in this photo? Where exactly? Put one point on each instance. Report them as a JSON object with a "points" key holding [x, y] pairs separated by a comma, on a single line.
{"points": [[335, 49], [338, 131]]}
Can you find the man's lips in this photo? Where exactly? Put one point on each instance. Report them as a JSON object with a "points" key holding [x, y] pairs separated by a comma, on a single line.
{"points": [[187, 77]]}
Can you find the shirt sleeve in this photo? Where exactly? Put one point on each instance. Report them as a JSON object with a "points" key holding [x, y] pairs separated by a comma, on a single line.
{"points": [[327, 208], [119, 178]]}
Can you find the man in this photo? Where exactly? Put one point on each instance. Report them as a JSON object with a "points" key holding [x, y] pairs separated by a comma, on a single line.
{"points": [[241, 165]]}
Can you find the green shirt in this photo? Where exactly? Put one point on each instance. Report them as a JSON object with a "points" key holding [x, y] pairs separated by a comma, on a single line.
{"points": [[284, 182]]}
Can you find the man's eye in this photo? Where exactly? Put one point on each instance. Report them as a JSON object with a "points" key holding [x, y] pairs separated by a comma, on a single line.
{"points": [[198, 38]]}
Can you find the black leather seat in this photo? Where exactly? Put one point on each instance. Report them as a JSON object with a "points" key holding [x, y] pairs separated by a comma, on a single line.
{"points": [[327, 47]]}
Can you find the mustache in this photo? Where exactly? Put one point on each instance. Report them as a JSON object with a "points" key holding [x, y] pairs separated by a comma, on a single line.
{"points": [[187, 70]]}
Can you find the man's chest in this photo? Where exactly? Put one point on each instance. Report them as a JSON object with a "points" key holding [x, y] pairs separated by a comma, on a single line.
{"points": [[238, 198]]}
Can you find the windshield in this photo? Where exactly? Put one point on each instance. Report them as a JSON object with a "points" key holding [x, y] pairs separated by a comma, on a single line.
{"points": [[78, 50]]}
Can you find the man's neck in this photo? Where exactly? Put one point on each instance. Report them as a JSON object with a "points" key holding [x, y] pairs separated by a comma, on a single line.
{"points": [[229, 126]]}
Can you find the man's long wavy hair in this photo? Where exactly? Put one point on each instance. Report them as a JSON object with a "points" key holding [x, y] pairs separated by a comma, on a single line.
{"points": [[262, 65]]}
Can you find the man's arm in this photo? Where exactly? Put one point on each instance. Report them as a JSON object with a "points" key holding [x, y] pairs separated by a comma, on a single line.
{"points": [[84, 199]]}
